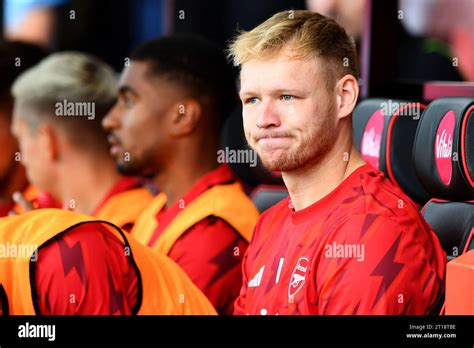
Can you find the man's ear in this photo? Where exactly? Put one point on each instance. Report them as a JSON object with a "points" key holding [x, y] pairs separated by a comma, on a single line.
{"points": [[185, 116], [49, 142], [347, 92]]}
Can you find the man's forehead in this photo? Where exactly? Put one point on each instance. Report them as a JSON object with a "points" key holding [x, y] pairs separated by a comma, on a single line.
{"points": [[278, 73], [133, 73], [138, 77]]}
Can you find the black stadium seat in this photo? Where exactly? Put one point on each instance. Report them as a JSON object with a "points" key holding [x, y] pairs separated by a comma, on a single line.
{"points": [[444, 156], [453, 223], [444, 149], [384, 132], [264, 196]]}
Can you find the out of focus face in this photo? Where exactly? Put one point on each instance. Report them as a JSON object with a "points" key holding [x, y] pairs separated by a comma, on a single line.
{"points": [[348, 13], [289, 115], [137, 123], [33, 151], [8, 146]]}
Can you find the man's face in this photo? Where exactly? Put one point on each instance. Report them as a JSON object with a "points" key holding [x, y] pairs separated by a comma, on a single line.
{"points": [[137, 122], [32, 151], [288, 113], [8, 146]]}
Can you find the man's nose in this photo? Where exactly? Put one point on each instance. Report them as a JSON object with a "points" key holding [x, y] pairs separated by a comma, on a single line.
{"points": [[268, 116], [112, 119]]}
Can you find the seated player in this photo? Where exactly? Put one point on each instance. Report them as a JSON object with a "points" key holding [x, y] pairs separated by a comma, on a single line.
{"points": [[15, 57], [347, 241], [173, 99], [59, 106], [63, 263]]}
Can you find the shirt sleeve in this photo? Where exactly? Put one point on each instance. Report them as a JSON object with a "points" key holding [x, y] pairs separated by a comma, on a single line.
{"points": [[85, 271], [211, 254], [385, 269]]}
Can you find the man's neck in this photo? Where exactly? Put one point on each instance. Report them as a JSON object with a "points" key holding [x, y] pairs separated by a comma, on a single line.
{"points": [[179, 177], [307, 186], [86, 183]]}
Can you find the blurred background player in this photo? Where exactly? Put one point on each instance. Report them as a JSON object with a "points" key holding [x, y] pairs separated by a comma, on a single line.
{"points": [[418, 57], [59, 106], [173, 99], [15, 57], [453, 25], [347, 241], [78, 266]]}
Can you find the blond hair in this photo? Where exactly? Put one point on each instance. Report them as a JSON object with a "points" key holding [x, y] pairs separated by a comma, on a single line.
{"points": [[68, 77], [72, 76], [309, 34]]}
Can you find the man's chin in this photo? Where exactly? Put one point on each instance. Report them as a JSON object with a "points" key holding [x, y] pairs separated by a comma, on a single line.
{"points": [[131, 169], [276, 165], [128, 169]]}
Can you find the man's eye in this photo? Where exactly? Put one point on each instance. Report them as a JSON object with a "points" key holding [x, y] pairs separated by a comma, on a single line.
{"points": [[252, 100], [128, 102], [287, 97]]}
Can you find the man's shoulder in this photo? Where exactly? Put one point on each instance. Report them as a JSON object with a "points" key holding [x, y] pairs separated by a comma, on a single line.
{"points": [[384, 198]]}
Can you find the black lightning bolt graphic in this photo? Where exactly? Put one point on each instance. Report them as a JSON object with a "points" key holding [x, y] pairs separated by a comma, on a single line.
{"points": [[388, 269], [72, 259]]}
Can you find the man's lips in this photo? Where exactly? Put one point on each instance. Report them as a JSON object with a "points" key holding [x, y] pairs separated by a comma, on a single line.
{"points": [[274, 142], [115, 147]]}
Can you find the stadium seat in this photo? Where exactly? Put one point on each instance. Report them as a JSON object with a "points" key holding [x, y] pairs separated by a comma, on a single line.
{"points": [[444, 161], [265, 188], [384, 132]]}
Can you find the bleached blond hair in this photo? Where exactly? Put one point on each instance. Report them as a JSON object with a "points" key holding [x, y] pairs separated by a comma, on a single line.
{"points": [[73, 77], [307, 34]]}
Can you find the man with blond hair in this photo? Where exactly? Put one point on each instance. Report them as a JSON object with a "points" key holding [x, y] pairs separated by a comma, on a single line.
{"points": [[346, 241], [59, 107]]}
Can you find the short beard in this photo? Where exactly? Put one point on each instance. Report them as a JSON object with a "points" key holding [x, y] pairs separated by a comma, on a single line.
{"points": [[140, 167], [312, 149]]}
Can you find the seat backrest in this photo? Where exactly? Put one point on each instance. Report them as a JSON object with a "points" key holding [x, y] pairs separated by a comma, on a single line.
{"points": [[453, 223], [444, 149], [443, 155], [384, 132], [265, 196]]}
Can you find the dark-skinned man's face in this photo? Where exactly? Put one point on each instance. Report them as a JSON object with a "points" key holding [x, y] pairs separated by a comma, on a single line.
{"points": [[137, 123]]}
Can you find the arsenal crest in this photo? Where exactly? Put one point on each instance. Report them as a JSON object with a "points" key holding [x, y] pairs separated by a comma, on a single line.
{"points": [[298, 278]]}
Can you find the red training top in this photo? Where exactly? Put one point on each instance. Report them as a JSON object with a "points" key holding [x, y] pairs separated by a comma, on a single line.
{"points": [[87, 259], [362, 249]]}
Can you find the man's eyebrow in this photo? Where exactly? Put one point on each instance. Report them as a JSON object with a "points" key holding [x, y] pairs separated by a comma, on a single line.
{"points": [[124, 89], [286, 91], [275, 91], [241, 93]]}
